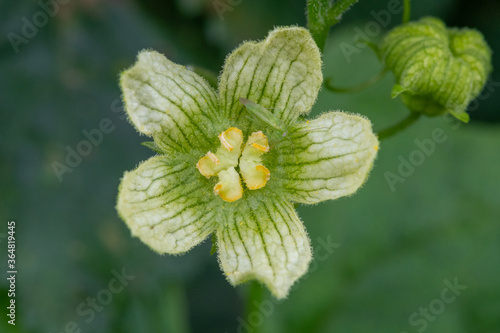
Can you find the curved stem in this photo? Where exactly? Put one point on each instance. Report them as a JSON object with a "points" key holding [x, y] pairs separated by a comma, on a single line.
{"points": [[388, 132], [356, 88], [407, 11], [371, 45]]}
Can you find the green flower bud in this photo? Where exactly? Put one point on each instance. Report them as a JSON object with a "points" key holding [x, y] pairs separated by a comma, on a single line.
{"points": [[437, 69]]}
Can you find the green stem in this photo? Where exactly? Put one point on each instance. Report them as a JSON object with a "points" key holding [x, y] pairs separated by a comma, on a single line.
{"points": [[355, 88], [388, 132], [174, 313], [371, 45], [254, 298], [407, 11]]}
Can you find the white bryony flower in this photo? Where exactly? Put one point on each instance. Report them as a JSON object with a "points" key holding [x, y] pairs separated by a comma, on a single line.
{"points": [[208, 142]]}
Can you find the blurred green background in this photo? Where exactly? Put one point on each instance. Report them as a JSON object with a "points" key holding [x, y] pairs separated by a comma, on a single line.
{"points": [[394, 248]]}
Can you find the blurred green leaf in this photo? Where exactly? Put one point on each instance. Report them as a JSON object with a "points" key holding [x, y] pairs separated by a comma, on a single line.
{"points": [[322, 15]]}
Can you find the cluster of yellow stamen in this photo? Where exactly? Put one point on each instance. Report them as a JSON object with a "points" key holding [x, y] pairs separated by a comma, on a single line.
{"points": [[228, 156]]}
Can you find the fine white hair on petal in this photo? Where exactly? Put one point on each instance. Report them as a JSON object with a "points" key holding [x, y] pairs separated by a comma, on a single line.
{"points": [[266, 242], [163, 98], [164, 208], [330, 160], [281, 73]]}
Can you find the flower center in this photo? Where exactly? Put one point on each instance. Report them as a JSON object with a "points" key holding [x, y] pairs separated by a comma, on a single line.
{"points": [[229, 156]]}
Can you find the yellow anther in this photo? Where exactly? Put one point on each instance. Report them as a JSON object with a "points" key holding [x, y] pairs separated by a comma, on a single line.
{"points": [[224, 142], [229, 186], [227, 154], [259, 141], [256, 178], [207, 165], [262, 148], [265, 171], [213, 157], [231, 138], [253, 172], [217, 188], [227, 158]]}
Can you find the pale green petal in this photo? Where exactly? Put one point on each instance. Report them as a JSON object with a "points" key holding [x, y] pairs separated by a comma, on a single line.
{"points": [[267, 242], [329, 157], [282, 73], [169, 102], [164, 205]]}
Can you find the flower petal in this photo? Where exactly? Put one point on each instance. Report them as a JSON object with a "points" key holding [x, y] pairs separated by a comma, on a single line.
{"points": [[282, 73], [167, 101], [266, 242], [328, 157], [165, 207]]}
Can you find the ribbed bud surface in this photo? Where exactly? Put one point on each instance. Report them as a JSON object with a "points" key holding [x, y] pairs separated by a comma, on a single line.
{"points": [[437, 69]]}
